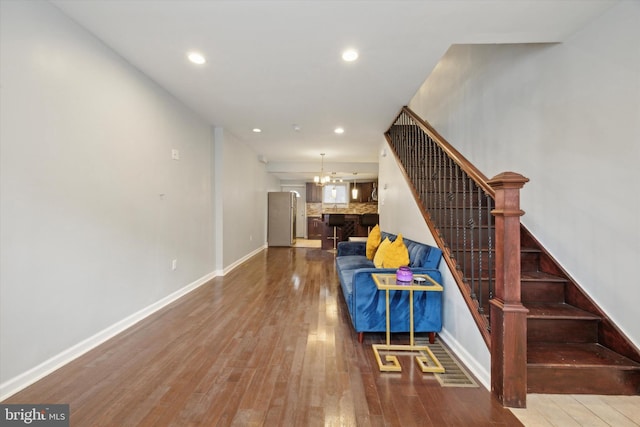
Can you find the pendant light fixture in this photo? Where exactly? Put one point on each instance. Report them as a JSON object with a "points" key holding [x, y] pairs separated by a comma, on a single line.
{"points": [[321, 179], [354, 191]]}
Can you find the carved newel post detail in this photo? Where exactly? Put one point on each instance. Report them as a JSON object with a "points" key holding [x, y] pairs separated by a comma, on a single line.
{"points": [[508, 315]]}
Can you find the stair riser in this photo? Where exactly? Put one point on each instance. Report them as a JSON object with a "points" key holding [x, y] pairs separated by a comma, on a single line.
{"points": [[542, 292], [547, 292], [583, 380], [529, 261], [562, 331]]}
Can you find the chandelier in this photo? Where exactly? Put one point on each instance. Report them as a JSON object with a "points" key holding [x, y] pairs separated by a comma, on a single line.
{"points": [[321, 179]]}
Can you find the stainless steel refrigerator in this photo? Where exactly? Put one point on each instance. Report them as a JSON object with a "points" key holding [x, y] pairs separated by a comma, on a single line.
{"points": [[282, 219]]}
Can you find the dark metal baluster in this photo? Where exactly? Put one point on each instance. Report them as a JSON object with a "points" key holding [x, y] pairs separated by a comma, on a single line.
{"points": [[445, 201], [423, 168], [438, 184], [462, 262], [454, 207], [403, 138], [480, 253], [459, 212], [490, 267], [416, 155], [432, 159], [472, 246], [450, 197], [439, 181]]}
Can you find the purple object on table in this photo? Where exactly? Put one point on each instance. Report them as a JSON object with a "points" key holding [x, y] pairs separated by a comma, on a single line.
{"points": [[404, 274]]}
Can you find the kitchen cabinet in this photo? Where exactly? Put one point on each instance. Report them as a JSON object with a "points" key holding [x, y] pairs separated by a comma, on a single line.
{"points": [[365, 192], [314, 193], [315, 227]]}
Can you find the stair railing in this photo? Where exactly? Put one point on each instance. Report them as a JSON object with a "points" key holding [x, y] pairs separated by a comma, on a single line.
{"points": [[472, 221], [457, 203]]}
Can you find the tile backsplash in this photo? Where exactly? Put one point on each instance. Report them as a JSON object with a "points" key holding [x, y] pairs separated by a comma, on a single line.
{"points": [[317, 209]]}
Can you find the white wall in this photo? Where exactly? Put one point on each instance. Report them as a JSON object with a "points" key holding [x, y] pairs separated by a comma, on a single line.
{"points": [[242, 183], [567, 116], [399, 213], [93, 209]]}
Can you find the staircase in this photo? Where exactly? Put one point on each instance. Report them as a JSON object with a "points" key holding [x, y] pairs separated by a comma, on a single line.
{"points": [[572, 346]]}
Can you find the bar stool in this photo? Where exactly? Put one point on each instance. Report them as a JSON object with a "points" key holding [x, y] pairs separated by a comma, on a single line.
{"points": [[335, 221], [369, 220]]}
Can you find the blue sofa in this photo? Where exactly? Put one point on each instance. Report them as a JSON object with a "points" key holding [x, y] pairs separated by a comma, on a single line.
{"points": [[366, 304]]}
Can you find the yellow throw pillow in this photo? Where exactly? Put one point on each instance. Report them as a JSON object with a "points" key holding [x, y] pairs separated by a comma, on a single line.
{"points": [[373, 241], [396, 255], [377, 260]]}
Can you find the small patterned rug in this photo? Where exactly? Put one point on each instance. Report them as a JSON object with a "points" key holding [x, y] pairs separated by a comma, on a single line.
{"points": [[455, 375]]}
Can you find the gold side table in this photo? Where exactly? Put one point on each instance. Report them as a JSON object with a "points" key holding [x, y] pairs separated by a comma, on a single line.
{"points": [[387, 282]]}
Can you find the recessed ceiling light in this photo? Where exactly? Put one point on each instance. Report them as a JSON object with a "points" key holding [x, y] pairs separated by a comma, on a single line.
{"points": [[350, 55], [339, 130], [196, 58], [257, 130]]}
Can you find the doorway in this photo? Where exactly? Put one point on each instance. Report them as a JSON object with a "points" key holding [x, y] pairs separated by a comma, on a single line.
{"points": [[301, 208]]}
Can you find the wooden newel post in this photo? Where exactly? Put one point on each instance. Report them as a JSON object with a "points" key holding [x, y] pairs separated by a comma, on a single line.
{"points": [[508, 315]]}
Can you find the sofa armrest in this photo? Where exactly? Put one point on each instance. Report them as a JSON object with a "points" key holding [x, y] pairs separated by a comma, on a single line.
{"points": [[352, 248]]}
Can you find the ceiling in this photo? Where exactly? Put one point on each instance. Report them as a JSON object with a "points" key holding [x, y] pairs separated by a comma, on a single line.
{"points": [[276, 65]]}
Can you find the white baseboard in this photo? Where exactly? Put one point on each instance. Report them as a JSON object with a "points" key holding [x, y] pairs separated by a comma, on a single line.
{"points": [[14, 385], [472, 363], [29, 377], [243, 259]]}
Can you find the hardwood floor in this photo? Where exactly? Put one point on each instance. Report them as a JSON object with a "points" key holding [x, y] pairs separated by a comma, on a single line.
{"points": [[269, 344]]}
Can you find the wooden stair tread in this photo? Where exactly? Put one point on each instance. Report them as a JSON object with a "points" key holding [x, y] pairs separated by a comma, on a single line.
{"points": [[583, 355], [530, 250], [545, 310], [532, 276]]}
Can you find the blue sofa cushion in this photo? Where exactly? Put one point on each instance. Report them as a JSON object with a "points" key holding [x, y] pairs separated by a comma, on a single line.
{"points": [[367, 304], [352, 262], [352, 248]]}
